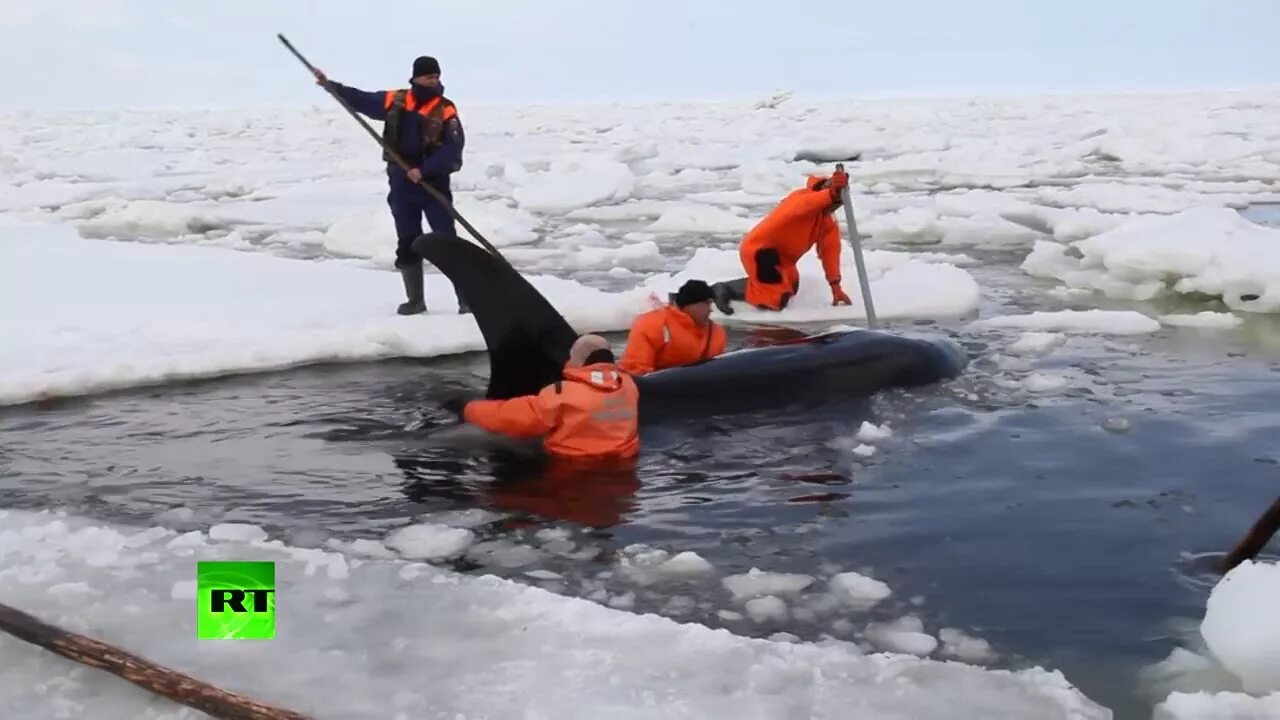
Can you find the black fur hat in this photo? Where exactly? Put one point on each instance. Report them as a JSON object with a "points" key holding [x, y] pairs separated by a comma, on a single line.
{"points": [[425, 65]]}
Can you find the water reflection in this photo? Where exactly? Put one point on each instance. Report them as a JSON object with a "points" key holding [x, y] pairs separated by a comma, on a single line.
{"points": [[526, 484]]}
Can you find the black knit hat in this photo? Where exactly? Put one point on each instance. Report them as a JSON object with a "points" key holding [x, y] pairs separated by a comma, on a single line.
{"points": [[425, 65], [693, 291]]}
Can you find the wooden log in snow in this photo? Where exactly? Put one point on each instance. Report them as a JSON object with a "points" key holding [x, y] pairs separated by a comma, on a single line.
{"points": [[158, 679]]}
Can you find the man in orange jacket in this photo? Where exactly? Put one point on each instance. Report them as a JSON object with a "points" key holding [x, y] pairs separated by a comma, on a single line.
{"points": [[680, 333], [772, 248], [591, 414]]}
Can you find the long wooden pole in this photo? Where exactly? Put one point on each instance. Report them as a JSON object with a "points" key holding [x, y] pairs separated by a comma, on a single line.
{"points": [[1256, 539], [163, 681], [856, 241]]}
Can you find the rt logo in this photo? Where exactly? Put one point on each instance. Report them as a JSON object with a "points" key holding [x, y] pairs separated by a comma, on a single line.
{"points": [[235, 600]]}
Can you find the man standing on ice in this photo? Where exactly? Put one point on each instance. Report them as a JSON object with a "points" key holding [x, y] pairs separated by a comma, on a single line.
{"points": [[423, 128], [770, 251]]}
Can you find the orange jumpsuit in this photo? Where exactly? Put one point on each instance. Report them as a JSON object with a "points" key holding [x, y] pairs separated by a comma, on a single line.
{"points": [[667, 337], [589, 415], [772, 248]]}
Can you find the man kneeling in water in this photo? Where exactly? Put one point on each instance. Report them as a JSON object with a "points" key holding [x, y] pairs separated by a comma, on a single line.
{"points": [[591, 413]]}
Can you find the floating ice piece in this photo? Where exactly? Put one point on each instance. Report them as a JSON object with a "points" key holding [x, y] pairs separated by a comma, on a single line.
{"points": [[1218, 706], [1037, 343], [766, 609], [686, 564], [1044, 382], [237, 531], [429, 542], [1242, 628], [1205, 250], [1118, 322], [1205, 319], [573, 182], [905, 635], [757, 582], [859, 591], [870, 432], [956, 644]]}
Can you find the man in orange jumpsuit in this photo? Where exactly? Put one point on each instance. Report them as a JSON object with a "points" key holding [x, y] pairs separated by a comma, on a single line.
{"points": [[590, 415], [772, 248], [678, 334]]}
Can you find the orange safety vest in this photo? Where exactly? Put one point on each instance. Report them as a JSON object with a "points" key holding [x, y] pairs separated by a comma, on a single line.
{"points": [[435, 113]]}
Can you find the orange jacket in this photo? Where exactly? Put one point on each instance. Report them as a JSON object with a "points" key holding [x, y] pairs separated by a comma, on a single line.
{"points": [[590, 414], [799, 222], [667, 337]]}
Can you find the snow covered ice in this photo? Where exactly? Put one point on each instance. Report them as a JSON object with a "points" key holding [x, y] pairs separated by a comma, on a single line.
{"points": [[1205, 250], [143, 247], [903, 285], [487, 645], [144, 313]]}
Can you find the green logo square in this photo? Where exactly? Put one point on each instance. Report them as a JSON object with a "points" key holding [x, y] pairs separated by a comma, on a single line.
{"points": [[235, 600]]}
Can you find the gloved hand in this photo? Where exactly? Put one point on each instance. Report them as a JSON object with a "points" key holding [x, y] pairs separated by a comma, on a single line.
{"points": [[838, 296], [839, 181], [456, 404]]}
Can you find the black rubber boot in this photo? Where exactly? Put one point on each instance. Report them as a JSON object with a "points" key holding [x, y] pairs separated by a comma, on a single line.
{"points": [[413, 290], [723, 292], [420, 245]]}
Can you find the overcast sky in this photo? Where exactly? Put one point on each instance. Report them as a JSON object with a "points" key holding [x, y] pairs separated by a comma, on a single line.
{"points": [[123, 53]]}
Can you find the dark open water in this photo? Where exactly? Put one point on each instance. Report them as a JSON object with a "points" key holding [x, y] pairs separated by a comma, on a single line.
{"points": [[1016, 517]]}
